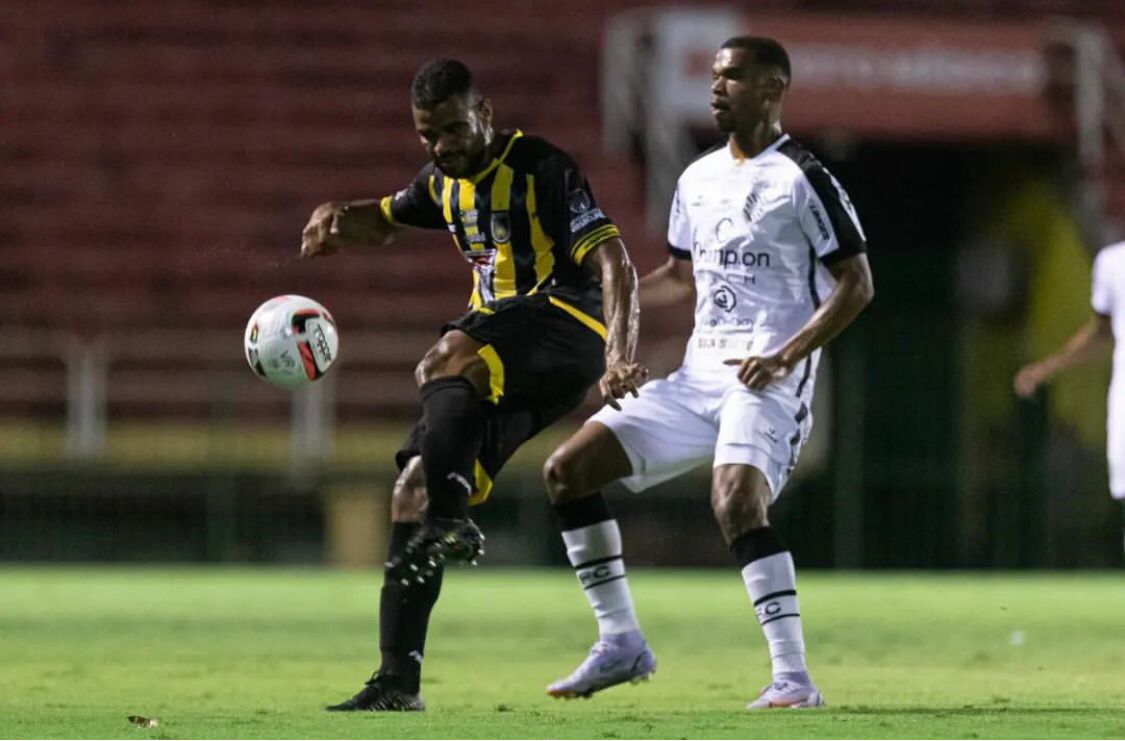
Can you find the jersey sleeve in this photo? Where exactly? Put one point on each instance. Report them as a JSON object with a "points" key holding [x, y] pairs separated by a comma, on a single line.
{"points": [[417, 204], [679, 231], [827, 216], [1101, 294], [567, 209]]}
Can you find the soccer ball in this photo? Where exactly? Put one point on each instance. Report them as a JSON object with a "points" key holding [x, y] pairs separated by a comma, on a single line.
{"points": [[291, 341]]}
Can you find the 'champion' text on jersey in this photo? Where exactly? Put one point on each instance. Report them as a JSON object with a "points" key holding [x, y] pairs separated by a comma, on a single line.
{"points": [[760, 233]]}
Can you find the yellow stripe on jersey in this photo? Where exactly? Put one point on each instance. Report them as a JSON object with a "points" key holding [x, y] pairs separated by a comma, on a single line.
{"points": [[430, 187], [385, 209], [583, 246], [504, 270], [495, 372], [482, 484], [503, 155], [580, 315], [540, 242], [475, 300], [467, 205], [446, 201]]}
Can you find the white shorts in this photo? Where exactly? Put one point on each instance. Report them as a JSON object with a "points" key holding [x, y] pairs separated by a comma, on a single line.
{"points": [[680, 422]]}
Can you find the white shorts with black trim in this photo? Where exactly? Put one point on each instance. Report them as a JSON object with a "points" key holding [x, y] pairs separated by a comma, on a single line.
{"points": [[685, 420]]}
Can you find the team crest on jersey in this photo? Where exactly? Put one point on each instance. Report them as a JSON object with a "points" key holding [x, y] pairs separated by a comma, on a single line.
{"points": [[501, 227]]}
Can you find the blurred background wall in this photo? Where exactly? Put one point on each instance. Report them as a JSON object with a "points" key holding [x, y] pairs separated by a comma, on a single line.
{"points": [[158, 161]]}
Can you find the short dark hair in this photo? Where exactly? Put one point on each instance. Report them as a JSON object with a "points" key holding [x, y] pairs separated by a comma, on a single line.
{"points": [[765, 51], [439, 80]]}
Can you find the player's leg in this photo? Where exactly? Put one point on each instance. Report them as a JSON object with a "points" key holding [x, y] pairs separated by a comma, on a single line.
{"points": [[654, 437], [574, 476], [740, 498], [404, 610], [453, 380], [760, 438]]}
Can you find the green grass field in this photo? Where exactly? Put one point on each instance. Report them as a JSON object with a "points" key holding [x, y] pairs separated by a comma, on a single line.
{"points": [[255, 654]]}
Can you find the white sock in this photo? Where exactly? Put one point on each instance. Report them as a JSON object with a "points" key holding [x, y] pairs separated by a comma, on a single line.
{"points": [[772, 585], [595, 553]]}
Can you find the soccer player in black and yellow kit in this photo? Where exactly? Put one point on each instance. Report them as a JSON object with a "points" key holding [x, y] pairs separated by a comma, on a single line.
{"points": [[553, 310]]}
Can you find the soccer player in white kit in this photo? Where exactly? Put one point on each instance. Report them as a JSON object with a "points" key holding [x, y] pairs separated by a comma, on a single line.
{"points": [[770, 246], [1090, 343]]}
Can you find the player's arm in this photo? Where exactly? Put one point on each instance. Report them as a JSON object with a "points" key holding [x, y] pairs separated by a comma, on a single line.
{"points": [[583, 234], [674, 281], [1091, 342], [609, 261], [372, 222], [830, 225], [671, 283], [339, 224]]}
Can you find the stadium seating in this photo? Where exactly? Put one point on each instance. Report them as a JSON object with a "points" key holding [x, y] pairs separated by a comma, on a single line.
{"points": [[160, 160]]}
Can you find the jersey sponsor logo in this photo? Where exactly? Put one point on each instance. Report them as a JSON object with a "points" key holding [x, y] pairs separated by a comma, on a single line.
{"points": [[724, 298], [819, 218], [501, 227], [724, 229], [727, 258]]}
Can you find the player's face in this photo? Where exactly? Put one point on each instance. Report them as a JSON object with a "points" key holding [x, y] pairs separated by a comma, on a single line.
{"points": [[456, 134], [742, 93]]}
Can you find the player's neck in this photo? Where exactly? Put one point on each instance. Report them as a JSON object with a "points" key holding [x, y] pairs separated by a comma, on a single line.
{"points": [[746, 145]]}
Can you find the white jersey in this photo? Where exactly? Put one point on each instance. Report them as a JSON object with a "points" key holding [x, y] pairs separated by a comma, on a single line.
{"points": [[1108, 299], [759, 233]]}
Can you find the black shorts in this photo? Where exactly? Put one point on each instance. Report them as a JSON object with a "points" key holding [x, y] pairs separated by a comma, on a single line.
{"points": [[543, 354]]}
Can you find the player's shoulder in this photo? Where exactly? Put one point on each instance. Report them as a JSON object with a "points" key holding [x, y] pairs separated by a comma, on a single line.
{"points": [[534, 153], [704, 166], [791, 151], [1111, 253]]}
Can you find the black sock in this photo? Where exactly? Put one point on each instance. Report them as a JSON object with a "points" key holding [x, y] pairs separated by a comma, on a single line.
{"points": [[404, 616], [454, 424]]}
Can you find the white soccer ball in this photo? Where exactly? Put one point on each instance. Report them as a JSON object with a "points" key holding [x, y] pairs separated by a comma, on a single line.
{"points": [[291, 341]]}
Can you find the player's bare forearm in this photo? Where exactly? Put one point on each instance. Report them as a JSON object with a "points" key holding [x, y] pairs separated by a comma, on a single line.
{"points": [[671, 283], [853, 292], [1088, 344], [338, 224], [1091, 342], [621, 309]]}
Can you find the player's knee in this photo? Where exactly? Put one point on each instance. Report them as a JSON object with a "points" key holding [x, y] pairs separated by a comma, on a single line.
{"points": [[408, 500], [446, 359], [562, 477], [434, 364], [738, 509]]}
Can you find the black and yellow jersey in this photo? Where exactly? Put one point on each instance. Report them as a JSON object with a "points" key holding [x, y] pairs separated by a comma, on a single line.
{"points": [[525, 222]]}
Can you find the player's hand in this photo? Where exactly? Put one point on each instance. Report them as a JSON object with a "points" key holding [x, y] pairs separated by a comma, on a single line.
{"points": [[621, 378], [321, 235], [1028, 379], [759, 372]]}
